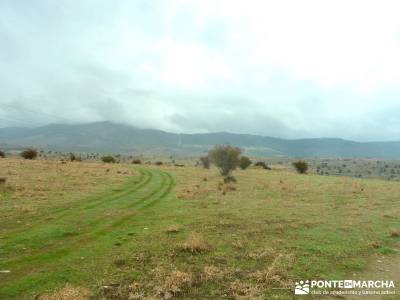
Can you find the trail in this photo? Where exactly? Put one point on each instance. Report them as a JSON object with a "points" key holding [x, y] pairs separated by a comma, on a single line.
{"points": [[381, 267], [88, 226]]}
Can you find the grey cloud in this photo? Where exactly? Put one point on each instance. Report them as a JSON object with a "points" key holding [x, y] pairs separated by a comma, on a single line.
{"points": [[240, 122], [83, 61]]}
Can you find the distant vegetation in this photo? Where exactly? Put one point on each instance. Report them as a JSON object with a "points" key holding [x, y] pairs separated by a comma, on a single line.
{"points": [[301, 166], [108, 159], [2, 154], [73, 157], [262, 165], [29, 154], [122, 137], [244, 162], [205, 162]]}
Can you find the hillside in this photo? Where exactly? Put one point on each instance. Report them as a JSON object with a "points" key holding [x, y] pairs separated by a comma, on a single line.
{"points": [[120, 231], [112, 137]]}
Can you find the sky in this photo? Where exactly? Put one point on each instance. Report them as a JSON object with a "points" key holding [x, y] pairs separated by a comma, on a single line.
{"points": [[288, 68]]}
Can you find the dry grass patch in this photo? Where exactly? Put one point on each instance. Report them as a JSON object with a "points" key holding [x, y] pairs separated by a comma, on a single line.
{"points": [[174, 284], [131, 291], [194, 243], [228, 187], [238, 244], [211, 273], [240, 290], [32, 176], [42, 183], [197, 192], [172, 229], [394, 232], [277, 273], [376, 245], [67, 293], [262, 254]]}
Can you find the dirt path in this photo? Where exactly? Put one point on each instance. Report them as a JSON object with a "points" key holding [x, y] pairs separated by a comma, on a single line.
{"points": [[381, 267], [90, 226]]}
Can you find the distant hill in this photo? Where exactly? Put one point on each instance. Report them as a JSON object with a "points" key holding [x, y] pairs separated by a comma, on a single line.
{"points": [[119, 138]]}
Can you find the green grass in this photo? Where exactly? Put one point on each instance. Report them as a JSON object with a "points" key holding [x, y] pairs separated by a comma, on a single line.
{"points": [[52, 252], [301, 226]]}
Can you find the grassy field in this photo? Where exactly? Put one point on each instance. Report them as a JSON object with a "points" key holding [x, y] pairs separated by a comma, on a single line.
{"points": [[114, 231]]}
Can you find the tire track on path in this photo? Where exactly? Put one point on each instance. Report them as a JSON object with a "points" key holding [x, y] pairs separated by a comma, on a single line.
{"points": [[52, 255]]}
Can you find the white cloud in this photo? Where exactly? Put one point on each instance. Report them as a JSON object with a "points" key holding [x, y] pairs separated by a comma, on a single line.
{"points": [[353, 44]]}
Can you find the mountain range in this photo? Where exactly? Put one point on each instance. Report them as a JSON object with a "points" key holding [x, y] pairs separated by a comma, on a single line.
{"points": [[107, 137]]}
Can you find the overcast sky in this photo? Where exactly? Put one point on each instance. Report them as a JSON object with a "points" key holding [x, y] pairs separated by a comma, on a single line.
{"points": [[282, 68]]}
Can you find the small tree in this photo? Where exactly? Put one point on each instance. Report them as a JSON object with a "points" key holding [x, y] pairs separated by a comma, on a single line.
{"points": [[205, 161], [301, 166], [72, 157], [108, 159], [244, 162], [2, 154], [225, 158], [29, 154]]}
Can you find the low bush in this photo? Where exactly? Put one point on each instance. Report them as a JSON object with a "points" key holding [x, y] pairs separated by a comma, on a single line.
{"points": [[108, 159], [137, 162], [244, 162], [159, 163], [301, 166], [205, 162], [2, 154], [29, 154], [73, 157], [262, 165]]}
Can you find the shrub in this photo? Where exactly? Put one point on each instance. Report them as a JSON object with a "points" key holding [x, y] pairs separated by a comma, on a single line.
{"points": [[72, 157], [225, 158], [159, 163], [3, 180], [301, 166], [262, 165], [108, 159], [2, 154], [29, 154], [244, 162], [205, 161], [137, 161]]}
